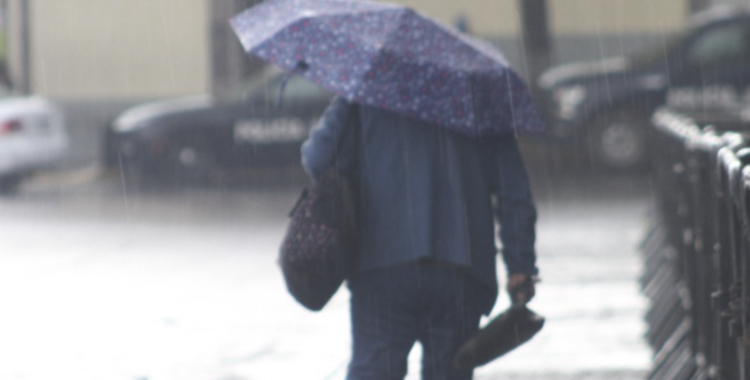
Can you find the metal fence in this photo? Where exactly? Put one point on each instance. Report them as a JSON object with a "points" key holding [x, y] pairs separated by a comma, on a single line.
{"points": [[697, 255]]}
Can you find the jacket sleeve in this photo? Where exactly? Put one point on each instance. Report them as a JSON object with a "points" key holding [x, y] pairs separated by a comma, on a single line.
{"points": [[324, 147], [514, 209]]}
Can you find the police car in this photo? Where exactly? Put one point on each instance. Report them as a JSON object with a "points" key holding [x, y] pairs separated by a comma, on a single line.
{"points": [[606, 105], [197, 138]]}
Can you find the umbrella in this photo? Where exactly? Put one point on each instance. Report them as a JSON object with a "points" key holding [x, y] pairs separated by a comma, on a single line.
{"points": [[394, 58], [504, 333]]}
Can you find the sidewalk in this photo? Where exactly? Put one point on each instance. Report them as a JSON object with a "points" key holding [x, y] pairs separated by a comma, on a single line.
{"points": [[97, 285]]}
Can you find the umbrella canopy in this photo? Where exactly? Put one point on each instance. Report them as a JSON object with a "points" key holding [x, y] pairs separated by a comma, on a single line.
{"points": [[394, 58]]}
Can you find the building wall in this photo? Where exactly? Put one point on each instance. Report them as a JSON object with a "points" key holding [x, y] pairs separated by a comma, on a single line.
{"points": [[137, 49], [118, 48], [485, 17], [500, 17], [593, 29], [576, 17]]}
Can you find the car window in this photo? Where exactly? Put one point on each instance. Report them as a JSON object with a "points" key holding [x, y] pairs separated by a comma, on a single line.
{"points": [[268, 85], [721, 44], [657, 53], [297, 88]]}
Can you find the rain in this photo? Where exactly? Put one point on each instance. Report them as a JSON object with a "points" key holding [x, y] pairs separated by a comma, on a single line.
{"points": [[150, 160]]}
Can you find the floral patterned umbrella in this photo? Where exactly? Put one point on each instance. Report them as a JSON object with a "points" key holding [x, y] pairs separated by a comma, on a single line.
{"points": [[392, 57]]}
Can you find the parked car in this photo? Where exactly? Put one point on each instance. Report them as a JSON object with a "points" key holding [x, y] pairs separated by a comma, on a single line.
{"points": [[606, 105], [32, 137], [196, 138]]}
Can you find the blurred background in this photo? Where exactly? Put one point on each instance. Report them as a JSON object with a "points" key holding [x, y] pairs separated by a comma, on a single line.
{"points": [[97, 58], [147, 168]]}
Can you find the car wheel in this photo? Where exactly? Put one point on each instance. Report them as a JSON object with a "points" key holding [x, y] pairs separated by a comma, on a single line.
{"points": [[9, 184], [619, 141], [192, 164]]}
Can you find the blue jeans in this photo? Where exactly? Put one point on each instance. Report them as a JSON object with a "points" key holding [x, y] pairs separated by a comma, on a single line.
{"points": [[435, 304]]}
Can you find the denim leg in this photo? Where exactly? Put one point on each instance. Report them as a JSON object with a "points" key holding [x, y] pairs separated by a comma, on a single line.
{"points": [[452, 318], [384, 325], [393, 308]]}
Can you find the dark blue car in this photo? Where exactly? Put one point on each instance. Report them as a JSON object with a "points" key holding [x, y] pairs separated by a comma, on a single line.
{"points": [[605, 106], [200, 137]]}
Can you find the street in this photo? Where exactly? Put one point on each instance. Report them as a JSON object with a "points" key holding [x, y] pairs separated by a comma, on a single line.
{"points": [[100, 282]]}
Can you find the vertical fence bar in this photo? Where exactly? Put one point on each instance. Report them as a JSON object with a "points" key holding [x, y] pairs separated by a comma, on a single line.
{"points": [[696, 263]]}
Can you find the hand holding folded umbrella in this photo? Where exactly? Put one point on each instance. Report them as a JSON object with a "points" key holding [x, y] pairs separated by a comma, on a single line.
{"points": [[521, 288], [507, 331]]}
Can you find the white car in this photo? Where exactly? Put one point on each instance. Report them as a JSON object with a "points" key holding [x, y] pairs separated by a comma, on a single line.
{"points": [[32, 137]]}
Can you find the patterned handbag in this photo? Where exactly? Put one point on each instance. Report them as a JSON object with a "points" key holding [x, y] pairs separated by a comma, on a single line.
{"points": [[318, 249]]}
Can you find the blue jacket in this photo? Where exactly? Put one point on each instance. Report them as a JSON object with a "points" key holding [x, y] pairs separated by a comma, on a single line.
{"points": [[426, 192]]}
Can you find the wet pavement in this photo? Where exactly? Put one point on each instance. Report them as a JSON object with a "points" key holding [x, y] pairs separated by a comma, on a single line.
{"points": [[100, 282]]}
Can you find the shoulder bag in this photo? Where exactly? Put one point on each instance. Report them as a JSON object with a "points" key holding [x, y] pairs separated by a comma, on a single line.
{"points": [[319, 246]]}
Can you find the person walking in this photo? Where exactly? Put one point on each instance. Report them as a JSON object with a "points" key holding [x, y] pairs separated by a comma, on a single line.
{"points": [[429, 201]]}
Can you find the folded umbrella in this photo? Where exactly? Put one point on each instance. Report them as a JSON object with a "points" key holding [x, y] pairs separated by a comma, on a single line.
{"points": [[392, 57], [506, 332]]}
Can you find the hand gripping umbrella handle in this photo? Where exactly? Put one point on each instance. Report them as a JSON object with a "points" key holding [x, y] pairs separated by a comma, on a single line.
{"points": [[522, 293], [298, 68]]}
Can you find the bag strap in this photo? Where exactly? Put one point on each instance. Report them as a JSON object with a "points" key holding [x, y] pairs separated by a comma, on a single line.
{"points": [[353, 127], [300, 199], [357, 130]]}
